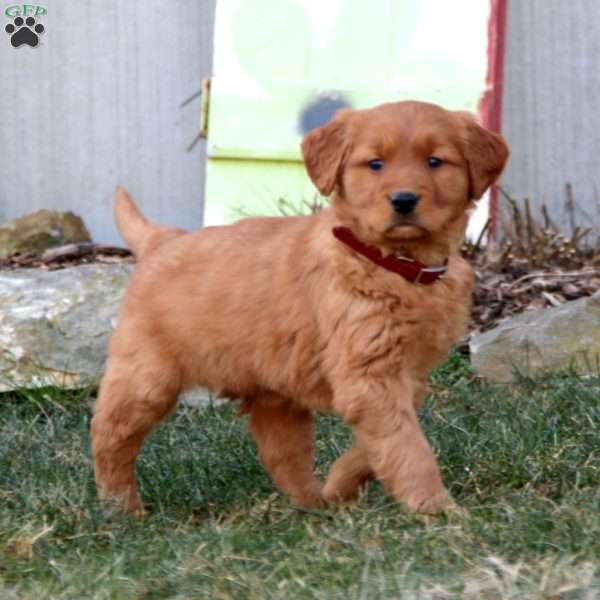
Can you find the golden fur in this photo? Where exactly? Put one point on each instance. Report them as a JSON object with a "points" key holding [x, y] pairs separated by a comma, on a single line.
{"points": [[278, 312]]}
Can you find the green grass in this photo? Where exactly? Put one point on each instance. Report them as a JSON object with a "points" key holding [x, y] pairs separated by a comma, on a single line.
{"points": [[523, 460]]}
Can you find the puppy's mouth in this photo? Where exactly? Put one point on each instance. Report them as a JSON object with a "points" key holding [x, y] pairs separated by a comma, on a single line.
{"points": [[404, 228]]}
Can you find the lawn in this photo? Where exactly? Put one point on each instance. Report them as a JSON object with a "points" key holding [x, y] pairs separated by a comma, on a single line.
{"points": [[523, 460]]}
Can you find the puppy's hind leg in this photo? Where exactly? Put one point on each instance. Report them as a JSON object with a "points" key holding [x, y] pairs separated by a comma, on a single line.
{"points": [[285, 437], [130, 403]]}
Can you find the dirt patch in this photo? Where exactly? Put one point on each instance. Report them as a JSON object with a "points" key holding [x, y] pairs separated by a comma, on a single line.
{"points": [[68, 255], [512, 286]]}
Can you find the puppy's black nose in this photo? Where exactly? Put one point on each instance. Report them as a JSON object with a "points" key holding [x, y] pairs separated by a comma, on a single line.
{"points": [[404, 202]]}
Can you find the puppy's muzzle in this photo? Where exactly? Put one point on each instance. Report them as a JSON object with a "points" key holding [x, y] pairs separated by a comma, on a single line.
{"points": [[404, 203]]}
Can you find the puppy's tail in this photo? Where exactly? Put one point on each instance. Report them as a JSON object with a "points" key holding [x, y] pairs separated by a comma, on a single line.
{"points": [[142, 236]]}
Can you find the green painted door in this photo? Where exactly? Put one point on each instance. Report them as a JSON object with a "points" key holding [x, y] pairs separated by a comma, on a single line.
{"points": [[282, 66]]}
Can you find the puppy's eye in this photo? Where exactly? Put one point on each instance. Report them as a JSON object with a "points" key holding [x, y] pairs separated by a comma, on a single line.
{"points": [[376, 164], [433, 162]]}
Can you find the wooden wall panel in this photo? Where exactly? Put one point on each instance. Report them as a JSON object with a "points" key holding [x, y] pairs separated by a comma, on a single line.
{"points": [[97, 103], [551, 110]]}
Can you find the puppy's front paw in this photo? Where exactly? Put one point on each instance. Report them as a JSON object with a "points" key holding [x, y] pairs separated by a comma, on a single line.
{"points": [[310, 497], [435, 504], [125, 502]]}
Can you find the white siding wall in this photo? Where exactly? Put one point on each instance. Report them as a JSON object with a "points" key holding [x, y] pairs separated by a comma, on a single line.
{"points": [[551, 104], [98, 103]]}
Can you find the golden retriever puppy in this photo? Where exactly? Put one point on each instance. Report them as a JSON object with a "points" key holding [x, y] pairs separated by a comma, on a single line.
{"points": [[345, 311]]}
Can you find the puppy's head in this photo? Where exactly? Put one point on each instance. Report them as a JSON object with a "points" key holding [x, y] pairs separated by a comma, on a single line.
{"points": [[405, 171]]}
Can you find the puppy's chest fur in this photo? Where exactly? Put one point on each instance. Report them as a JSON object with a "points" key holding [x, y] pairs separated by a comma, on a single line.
{"points": [[390, 324]]}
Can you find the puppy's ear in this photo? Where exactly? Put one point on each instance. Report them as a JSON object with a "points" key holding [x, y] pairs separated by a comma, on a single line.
{"points": [[486, 153], [324, 150]]}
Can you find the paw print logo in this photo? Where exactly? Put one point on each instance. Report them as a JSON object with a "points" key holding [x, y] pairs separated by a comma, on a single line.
{"points": [[24, 32]]}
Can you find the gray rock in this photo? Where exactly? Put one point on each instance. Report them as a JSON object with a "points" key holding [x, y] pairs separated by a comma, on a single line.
{"points": [[55, 325], [541, 340], [40, 230]]}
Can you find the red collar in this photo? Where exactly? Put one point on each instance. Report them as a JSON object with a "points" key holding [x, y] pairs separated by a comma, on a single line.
{"points": [[412, 270]]}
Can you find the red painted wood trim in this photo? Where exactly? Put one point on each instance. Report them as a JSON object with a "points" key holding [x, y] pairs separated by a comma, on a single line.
{"points": [[490, 105]]}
